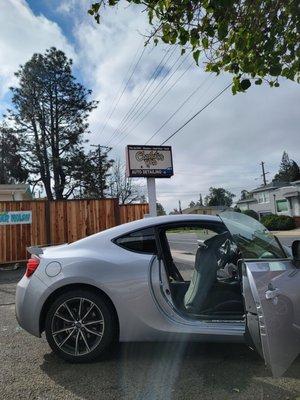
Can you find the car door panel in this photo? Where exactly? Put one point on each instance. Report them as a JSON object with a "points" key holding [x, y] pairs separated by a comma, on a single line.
{"points": [[275, 290]]}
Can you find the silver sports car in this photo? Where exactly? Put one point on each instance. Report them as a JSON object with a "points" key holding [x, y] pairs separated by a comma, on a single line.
{"points": [[181, 277]]}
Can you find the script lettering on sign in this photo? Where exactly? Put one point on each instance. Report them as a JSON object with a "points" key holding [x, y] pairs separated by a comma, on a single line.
{"points": [[149, 161]]}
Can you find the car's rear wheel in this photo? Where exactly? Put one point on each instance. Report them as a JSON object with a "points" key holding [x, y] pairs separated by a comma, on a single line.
{"points": [[80, 326]]}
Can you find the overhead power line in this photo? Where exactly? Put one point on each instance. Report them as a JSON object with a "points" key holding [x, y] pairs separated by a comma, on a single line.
{"points": [[148, 100], [148, 85], [158, 101], [178, 109], [142, 94], [197, 113], [156, 89], [114, 106]]}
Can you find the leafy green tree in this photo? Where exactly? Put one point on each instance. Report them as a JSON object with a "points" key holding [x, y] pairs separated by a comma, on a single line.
{"points": [[245, 194], [160, 209], [251, 39], [288, 170], [91, 174], [219, 197], [49, 118], [12, 169]]}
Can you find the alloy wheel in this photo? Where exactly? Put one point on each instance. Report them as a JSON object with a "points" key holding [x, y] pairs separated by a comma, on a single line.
{"points": [[77, 326]]}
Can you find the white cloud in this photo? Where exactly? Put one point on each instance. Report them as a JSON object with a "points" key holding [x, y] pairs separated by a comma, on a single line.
{"points": [[21, 34], [221, 147]]}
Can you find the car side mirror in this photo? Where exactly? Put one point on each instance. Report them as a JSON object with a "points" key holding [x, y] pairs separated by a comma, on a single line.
{"points": [[296, 250]]}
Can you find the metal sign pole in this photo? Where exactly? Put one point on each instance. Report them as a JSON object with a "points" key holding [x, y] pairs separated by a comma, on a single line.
{"points": [[152, 196]]}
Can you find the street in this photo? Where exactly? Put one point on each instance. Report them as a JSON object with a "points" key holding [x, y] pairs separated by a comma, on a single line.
{"points": [[188, 242], [29, 370]]}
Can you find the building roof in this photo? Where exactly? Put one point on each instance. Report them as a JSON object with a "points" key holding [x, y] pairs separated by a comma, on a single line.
{"points": [[249, 200], [190, 210], [270, 186]]}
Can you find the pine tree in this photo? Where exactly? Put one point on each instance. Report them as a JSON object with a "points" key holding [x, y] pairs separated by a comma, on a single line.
{"points": [[288, 170], [94, 173], [49, 119]]}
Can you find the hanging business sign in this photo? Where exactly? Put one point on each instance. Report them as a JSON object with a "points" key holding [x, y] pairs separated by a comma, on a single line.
{"points": [[15, 217], [149, 161]]}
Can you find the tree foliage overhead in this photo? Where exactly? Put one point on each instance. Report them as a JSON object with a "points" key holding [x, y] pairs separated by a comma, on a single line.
{"points": [[252, 39], [289, 170], [219, 197], [49, 119]]}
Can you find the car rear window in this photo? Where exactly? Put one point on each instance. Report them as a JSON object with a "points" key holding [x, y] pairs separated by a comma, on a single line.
{"points": [[141, 241]]}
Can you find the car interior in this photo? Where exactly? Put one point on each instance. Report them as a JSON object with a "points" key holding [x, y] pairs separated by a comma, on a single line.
{"points": [[204, 278]]}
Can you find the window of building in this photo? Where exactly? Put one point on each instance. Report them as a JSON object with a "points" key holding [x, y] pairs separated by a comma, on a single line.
{"points": [[281, 205], [142, 241], [263, 197]]}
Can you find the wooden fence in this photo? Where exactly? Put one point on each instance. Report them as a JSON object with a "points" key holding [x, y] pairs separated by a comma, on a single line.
{"points": [[57, 222]]}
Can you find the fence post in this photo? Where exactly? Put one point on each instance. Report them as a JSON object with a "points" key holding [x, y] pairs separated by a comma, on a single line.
{"points": [[117, 212], [47, 222]]}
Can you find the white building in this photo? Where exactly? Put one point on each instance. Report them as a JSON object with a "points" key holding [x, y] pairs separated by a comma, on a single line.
{"points": [[275, 198], [15, 192]]}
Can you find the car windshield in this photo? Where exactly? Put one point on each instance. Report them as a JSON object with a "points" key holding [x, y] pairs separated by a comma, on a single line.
{"points": [[252, 238]]}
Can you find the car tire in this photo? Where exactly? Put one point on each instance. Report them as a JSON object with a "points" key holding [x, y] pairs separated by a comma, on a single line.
{"points": [[81, 326]]}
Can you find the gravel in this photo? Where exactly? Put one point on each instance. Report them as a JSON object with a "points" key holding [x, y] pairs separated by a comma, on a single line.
{"points": [[146, 371]]}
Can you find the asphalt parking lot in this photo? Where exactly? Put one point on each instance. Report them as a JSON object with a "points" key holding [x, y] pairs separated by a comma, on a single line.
{"points": [[29, 370]]}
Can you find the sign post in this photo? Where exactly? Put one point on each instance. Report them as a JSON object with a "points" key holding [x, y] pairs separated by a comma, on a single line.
{"points": [[149, 162], [152, 196]]}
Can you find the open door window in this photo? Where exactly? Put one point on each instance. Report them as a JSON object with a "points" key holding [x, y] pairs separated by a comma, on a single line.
{"points": [[271, 284]]}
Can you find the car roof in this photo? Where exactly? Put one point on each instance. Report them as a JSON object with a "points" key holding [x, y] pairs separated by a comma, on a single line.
{"points": [[146, 222], [161, 220]]}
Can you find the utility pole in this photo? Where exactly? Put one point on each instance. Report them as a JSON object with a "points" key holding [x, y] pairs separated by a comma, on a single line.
{"points": [[101, 181], [179, 207], [264, 173]]}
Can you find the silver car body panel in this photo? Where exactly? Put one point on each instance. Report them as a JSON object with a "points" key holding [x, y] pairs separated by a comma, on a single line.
{"points": [[136, 285], [124, 276], [275, 287]]}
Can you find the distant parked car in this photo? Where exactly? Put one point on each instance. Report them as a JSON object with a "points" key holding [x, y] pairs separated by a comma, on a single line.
{"points": [[182, 277]]}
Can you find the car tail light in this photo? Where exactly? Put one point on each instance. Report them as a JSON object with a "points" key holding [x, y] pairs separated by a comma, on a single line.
{"points": [[31, 266]]}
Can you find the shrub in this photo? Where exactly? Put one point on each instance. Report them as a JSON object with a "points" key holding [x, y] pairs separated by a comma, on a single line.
{"points": [[278, 222], [251, 213]]}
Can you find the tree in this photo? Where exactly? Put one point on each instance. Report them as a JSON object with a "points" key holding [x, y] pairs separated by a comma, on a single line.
{"points": [[122, 187], [199, 203], [245, 194], [92, 172], [251, 39], [49, 118], [159, 209], [11, 167], [192, 204], [219, 197], [288, 170]]}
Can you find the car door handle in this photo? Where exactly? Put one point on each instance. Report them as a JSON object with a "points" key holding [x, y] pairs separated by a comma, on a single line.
{"points": [[272, 293]]}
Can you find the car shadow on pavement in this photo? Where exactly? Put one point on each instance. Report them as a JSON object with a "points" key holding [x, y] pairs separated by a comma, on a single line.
{"points": [[174, 370]]}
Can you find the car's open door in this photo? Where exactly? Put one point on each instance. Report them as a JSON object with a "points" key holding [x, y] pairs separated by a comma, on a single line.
{"points": [[271, 291]]}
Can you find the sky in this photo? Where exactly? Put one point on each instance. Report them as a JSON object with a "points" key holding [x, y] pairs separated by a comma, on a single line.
{"points": [[222, 147]]}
